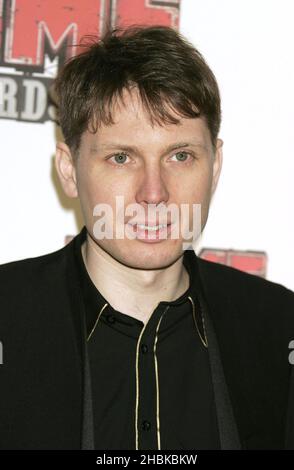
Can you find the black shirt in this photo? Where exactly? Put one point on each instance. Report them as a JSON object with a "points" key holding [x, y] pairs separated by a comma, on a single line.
{"points": [[151, 384]]}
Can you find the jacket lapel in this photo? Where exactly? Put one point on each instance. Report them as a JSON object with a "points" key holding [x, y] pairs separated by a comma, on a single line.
{"points": [[228, 432], [79, 320]]}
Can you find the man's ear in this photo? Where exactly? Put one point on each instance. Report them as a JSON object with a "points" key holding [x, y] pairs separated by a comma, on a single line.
{"points": [[65, 168], [217, 164]]}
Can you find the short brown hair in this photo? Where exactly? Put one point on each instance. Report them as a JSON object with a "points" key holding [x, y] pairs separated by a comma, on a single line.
{"points": [[167, 70]]}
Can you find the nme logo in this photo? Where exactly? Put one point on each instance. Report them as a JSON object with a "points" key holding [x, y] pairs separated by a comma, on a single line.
{"points": [[38, 36], [252, 262]]}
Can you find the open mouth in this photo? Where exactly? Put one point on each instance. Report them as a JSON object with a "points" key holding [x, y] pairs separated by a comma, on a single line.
{"points": [[151, 232], [150, 227]]}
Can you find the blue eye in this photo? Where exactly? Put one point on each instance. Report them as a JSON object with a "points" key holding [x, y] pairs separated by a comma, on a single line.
{"points": [[120, 157], [183, 156]]}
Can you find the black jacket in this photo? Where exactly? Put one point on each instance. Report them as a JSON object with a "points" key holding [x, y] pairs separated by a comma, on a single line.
{"points": [[45, 398]]}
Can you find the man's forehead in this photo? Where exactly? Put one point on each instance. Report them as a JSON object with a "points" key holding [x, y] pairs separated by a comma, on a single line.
{"points": [[191, 132], [127, 146], [135, 125]]}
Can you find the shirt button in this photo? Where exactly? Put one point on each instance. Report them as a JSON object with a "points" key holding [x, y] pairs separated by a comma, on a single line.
{"points": [[144, 348], [110, 319], [146, 425]]}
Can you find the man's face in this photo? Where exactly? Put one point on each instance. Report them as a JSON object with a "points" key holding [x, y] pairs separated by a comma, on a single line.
{"points": [[146, 165]]}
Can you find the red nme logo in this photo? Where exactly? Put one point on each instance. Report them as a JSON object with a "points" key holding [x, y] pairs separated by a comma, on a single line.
{"points": [[38, 36], [252, 262]]}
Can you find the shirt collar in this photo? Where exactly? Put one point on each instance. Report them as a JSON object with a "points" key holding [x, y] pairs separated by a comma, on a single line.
{"points": [[95, 301]]}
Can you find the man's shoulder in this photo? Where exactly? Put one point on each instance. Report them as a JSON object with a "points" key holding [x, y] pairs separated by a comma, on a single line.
{"points": [[29, 271], [254, 324], [229, 276], [33, 288], [244, 288]]}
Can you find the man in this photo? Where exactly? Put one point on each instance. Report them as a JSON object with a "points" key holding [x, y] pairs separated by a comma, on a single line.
{"points": [[133, 342]]}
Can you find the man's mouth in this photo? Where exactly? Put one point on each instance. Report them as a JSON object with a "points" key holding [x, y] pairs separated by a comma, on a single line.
{"points": [[151, 228], [151, 233]]}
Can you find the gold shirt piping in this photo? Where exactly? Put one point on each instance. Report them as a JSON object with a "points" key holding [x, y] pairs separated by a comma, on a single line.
{"points": [[203, 341]]}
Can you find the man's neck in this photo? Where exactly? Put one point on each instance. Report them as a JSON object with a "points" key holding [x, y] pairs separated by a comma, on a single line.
{"points": [[132, 291]]}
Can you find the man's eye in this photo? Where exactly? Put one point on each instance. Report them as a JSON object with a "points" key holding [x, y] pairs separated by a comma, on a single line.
{"points": [[119, 158], [182, 156]]}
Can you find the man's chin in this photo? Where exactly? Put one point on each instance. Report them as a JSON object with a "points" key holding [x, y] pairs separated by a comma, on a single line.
{"points": [[146, 259]]}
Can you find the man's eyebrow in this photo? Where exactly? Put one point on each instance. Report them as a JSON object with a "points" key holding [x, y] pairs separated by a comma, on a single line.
{"points": [[134, 148]]}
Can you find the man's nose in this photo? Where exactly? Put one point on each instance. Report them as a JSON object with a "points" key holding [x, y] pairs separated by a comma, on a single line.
{"points": [[152, 187]]}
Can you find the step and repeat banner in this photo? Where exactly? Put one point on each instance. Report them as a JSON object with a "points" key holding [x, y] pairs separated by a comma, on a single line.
{"points": [[248, 45]]}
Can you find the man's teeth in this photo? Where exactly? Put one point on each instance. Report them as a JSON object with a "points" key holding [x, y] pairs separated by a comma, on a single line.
{"points": [[154, 228]]}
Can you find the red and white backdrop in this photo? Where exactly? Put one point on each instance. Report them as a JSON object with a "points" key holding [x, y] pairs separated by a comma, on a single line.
{"points": [[247, 43]]}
